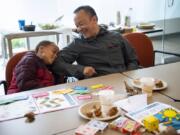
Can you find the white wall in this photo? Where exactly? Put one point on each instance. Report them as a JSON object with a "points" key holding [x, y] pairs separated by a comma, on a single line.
{"points": [[143, 10], [105, 9], [39, 11], [31, 10]]}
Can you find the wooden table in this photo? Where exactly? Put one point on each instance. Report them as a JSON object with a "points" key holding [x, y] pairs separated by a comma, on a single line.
{"points": [[59, 121], [156, 97], [64, 122], [149, 31], [145, 31], [170, 73]]}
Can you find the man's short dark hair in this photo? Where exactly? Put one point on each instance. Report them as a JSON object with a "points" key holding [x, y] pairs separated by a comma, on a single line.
{"points": [[88, 10]]}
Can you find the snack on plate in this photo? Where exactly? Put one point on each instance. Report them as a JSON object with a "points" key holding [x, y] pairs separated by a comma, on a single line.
{"points": [[97, 110], [89, 114], [94, 111], [98, 113], [158, 83], [137, 81], [113, 111]]}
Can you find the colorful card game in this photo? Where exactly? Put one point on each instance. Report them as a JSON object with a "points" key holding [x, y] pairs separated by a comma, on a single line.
{"points": [[15, 106], [91, 128], [130, 126], [86, 130], [54, 101], [124, 125], [98, 124], [169, 117], [117, 123], [151, 109]]}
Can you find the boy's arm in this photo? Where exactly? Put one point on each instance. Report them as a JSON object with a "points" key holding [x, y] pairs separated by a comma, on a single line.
{"points": [[26, 76]]}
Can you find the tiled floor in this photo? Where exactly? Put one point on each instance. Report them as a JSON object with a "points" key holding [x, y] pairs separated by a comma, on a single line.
{"points": [[172, 43]]}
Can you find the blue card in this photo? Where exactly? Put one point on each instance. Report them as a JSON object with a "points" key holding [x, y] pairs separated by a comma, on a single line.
{"points": [[80, 88]]}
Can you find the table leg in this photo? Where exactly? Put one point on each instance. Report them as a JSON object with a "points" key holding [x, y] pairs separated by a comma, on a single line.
{"points": [[28, 43], [10, 48], [4, 48], [68, 38], [57, 38]]}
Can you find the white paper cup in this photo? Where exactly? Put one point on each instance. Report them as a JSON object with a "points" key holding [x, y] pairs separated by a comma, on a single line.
{"points": [[147, 86], [106, 98]]}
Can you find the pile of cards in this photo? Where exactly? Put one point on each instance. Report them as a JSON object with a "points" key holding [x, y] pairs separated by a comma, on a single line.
{"points": [[125, 125], [91, 128], [85, 90]]}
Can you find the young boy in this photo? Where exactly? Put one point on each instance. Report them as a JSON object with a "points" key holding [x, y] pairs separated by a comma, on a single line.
{"points": [[31, 72]]}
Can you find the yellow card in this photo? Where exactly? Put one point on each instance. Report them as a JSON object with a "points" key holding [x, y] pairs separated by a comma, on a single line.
{"points": [[62, 91], [97, 86]]}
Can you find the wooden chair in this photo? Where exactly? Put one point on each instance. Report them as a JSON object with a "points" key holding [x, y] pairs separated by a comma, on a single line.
{"points": [[144, 49], [9, 69]]}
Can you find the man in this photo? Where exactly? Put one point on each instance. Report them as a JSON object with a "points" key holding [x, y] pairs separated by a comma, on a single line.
{"points": [[97, 51]]}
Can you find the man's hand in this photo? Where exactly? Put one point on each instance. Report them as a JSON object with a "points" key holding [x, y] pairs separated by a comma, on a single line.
{"points": [[89, 71]]}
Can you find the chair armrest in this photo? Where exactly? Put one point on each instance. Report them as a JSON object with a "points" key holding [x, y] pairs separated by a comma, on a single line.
{"points": [[165, 52], [175, 56], [5, 85]]}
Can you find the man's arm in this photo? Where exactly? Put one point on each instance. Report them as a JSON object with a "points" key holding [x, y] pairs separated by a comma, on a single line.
{"points": [[64, 63]]}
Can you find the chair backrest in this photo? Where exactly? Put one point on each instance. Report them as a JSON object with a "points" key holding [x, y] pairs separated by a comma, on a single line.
{"points": [[11, 65], [143, 47]]}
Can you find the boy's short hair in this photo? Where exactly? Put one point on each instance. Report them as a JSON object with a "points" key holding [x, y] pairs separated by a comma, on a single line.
{"points": [[88, 9], [44, 43]]}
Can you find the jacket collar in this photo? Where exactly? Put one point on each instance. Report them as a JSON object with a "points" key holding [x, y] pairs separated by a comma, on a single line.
{"points": [[102, 31]]}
